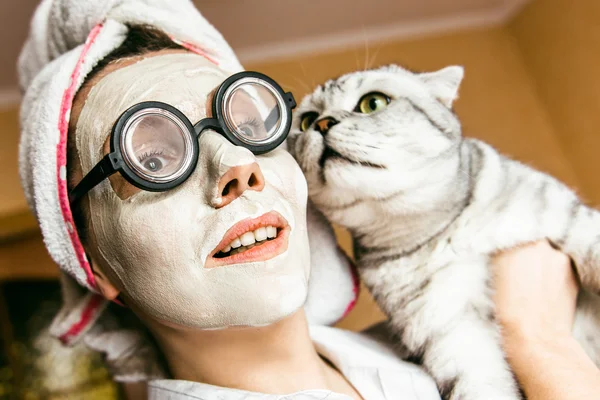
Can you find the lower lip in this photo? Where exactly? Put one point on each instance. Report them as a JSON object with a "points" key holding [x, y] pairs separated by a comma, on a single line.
{"points": [[262, 252]]}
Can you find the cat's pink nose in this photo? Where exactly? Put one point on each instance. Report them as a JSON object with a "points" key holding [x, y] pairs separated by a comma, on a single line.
{"points": [[324, 125]]}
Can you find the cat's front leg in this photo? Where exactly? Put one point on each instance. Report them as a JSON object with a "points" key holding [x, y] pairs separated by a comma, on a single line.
{"points": [[444, 317], [467, 362]]}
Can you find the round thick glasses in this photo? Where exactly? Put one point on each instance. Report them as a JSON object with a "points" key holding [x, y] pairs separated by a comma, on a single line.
{"points": [[155, 146]]}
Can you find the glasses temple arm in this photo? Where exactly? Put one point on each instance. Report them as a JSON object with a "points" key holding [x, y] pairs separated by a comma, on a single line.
{"points": [[100, 172]]}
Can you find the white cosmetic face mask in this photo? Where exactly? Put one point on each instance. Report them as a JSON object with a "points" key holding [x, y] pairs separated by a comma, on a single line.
{"points": [[156, 244]]}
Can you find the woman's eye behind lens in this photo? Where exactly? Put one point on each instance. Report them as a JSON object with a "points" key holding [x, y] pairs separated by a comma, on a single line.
{"points": [[158, 161], [152, 161], [251, 128]]}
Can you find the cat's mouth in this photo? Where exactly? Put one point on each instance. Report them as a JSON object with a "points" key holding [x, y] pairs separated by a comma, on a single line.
{"points": [[331, 154]]}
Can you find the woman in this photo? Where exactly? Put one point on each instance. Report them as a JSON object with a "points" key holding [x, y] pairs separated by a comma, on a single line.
{"points": [[230, 324]]}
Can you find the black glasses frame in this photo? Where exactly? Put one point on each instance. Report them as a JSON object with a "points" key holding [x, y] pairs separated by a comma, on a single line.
{"points": [[115, 162]]}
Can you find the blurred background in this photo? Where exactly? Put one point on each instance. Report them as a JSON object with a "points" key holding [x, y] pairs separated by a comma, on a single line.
{"points": [[531, 89]]}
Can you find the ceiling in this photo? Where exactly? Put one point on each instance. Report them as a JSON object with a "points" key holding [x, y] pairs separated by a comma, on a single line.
{"points": [[261, 29]]}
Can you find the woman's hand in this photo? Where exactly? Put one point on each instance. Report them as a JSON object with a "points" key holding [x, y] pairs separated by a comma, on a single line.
{"points": [[536, 294]]}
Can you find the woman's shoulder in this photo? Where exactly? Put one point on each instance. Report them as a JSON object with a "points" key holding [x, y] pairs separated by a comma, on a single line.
{"points": [[373, 350], [373, 346]]}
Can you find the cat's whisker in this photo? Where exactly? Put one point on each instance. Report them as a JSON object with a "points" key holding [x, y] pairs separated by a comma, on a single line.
{"points": [[366, 49], [304, 85], [285, 85], [372, 61], [306, 75], [356, 52]]}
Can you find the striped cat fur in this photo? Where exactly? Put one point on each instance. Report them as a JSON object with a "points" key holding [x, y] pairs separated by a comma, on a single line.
{"points": [[427, 209]]}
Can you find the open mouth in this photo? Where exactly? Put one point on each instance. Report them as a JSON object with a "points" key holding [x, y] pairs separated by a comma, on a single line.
{"points": [[257, 239], [247, 241]]}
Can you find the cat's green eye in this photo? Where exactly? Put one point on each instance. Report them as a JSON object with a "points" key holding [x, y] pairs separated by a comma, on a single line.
{"points": [[372, 102], [307, 120]]}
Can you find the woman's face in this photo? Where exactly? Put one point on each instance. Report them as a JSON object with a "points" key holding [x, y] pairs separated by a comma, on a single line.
{"points": [[159, 247]]}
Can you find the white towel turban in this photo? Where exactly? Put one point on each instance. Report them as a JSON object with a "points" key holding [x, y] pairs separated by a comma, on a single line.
{"points": [[66, 40]]}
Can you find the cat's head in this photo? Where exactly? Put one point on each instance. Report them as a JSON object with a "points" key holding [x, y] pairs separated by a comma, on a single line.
{"points": [[371, 134]]}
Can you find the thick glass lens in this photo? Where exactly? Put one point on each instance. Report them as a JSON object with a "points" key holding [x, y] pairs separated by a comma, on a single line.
{"points": [[253, 112], [156, 145]]}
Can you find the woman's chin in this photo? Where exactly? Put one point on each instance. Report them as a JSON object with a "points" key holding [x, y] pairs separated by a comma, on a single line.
{"points": [[260, 310]]}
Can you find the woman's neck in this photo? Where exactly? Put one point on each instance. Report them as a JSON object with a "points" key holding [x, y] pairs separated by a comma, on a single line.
{"points": [[275, 359]]}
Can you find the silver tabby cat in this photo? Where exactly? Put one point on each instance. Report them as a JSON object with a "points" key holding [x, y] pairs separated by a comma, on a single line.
{"points": [[384, 156]]}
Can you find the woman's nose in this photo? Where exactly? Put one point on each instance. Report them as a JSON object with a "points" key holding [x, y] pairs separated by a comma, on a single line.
{"points": [[237, 180]]}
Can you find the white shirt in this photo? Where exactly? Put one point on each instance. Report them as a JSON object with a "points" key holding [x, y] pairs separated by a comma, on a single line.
{"points": [[368, 363]]}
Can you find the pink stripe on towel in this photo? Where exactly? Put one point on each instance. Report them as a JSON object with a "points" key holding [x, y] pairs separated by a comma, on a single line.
{"points": [[61, 162], [91, 308]]}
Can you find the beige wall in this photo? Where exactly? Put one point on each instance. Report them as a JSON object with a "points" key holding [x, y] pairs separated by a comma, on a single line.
{"points": [[14, 214], [560, 42], [498, 101]]}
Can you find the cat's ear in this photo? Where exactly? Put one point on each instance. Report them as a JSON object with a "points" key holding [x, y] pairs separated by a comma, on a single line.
{"points": [[444, 83]]}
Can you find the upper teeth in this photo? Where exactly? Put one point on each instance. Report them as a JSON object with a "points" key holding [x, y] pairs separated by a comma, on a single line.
{"points": [[252, 237]]}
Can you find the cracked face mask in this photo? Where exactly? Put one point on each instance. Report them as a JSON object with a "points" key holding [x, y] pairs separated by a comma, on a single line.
{"points": [[180, 256]]}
